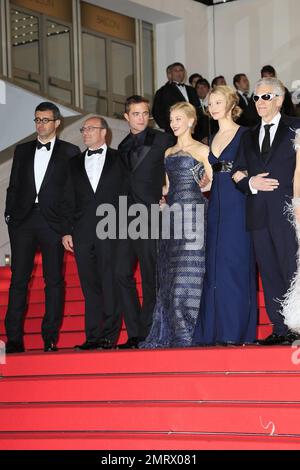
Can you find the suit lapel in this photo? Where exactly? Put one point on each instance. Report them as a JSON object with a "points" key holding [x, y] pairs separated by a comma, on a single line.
{"points": [[125, 150], [105, 171], [145, 149], [31, 164], [83, 173], [51, 164], [277, 139], [255, 138], [177, 92]]}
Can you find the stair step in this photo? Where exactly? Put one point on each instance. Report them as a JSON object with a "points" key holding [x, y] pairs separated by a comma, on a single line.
{"points": [[142, 441], [70, 323], [75, 307], [33, 325], [37, 283], [260, 299], [67, 340], [38, 296], [263, 331], [167, 417], [251, 359], [263, 316], [232, 388]]}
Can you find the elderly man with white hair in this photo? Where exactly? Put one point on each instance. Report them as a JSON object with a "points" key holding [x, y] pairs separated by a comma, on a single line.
{"points": [[264, 170]]}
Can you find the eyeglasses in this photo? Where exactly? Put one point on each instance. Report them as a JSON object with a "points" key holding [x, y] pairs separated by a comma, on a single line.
{"points": [[265, 97], [43, 120], [89, 129]]}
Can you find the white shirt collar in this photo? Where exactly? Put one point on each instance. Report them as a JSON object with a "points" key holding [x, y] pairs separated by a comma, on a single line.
{"points": [[274, 121]]}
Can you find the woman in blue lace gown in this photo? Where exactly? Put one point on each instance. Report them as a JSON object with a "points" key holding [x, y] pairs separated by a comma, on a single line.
{"points": [[228, 312], [181, 256]]}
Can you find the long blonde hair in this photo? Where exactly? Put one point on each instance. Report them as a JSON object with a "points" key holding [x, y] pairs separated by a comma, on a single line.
{"points": [[231, 98]]}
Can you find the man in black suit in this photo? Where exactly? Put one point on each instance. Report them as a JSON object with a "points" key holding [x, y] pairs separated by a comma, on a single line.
{"points": [[171, 93], [142, 152], [32, 209], [267, 154], [95, 178], [249, 116]]}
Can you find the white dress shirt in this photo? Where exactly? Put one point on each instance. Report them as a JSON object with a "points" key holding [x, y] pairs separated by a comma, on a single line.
{"points": [[273, 130], [94, 166], [41, 161], [183, 91]]}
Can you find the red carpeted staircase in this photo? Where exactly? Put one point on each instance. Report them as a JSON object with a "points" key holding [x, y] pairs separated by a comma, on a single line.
{"points": [[197, 398]]}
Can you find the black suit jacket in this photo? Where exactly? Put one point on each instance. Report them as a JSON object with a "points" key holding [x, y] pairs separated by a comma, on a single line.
{"points": [[21, 193], [146, 179], [80, 202], [266, 208], [165, 97]]}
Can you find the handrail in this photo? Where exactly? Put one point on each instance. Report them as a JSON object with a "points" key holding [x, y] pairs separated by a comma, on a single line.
{"points": [[44, 96], [7, 153]]}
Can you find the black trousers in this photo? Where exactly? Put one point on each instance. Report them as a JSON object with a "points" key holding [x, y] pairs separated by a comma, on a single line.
{"points": [[96, 269], [138, 318], [25, 239], [275, 252]]}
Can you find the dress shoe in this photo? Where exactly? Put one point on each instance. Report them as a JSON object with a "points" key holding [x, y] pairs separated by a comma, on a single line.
{"points": [[291, 337], [132, 343], [14, 347], [105, 343], [87, 346], [273, 339], [50, 346]]}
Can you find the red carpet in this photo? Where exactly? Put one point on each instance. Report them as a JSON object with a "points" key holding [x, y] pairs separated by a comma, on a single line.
{"points": [[197, 398]]}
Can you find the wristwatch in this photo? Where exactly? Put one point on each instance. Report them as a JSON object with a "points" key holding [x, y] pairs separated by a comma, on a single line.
{"points": [[7, 219]]}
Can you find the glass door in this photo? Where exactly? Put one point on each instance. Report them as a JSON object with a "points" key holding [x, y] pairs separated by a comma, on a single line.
{"points": [[95, 73], [59, 64], [42, 54], [108, 74], [26, 48]]}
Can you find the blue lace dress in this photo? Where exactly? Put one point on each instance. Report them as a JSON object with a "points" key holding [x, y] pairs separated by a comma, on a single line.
{"points": [[181, 259], [228, 311]]}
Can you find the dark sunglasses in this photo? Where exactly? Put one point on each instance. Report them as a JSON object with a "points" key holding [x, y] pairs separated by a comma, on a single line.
{"points": [[265, 97]]}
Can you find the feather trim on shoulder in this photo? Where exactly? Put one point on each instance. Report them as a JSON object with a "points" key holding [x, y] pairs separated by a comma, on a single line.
{"points": [[297, 139]]}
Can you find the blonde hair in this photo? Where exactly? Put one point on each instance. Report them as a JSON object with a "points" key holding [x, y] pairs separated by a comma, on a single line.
{"points": [[188, 109], [231, 98]]}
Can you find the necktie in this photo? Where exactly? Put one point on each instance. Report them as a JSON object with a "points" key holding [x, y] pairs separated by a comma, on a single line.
{"points": [[266, 144], [179, 84], [39, 145], [245, 95], [93, 152]]}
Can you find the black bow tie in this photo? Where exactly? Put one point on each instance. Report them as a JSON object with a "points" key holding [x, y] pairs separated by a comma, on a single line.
{"points": [[39, 145], [179, 84], [93, 152]]}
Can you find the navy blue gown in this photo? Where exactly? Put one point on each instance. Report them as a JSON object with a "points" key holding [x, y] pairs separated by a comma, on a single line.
{"points": [[228, 311], [181, 261]]}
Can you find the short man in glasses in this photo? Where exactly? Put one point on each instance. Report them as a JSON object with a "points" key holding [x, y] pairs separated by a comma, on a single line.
{"points": [[267, 157], [95, 180], [35, 189]]}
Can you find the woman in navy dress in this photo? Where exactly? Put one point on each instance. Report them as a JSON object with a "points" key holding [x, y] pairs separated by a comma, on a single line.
{"points": [[228, 311], [181, 257]]}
